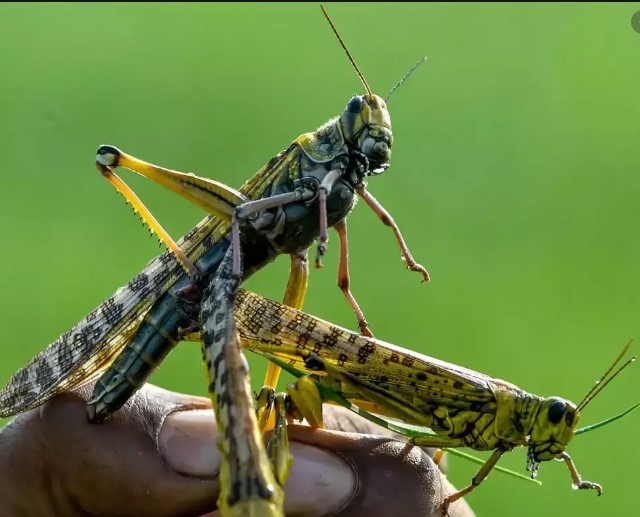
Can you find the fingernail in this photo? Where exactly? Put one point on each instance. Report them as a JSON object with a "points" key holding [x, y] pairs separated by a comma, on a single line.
{"points": [[187, 442], [319, 483]]}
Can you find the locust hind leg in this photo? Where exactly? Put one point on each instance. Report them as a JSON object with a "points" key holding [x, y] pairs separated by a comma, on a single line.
{"points": [[214, 197], [247, 484], [148, 217], [267, 399], [278, 447], [293, 297]]}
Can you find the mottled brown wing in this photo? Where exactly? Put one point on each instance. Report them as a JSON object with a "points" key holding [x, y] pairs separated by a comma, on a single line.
{"points": [[81, 354], [282, 331]]}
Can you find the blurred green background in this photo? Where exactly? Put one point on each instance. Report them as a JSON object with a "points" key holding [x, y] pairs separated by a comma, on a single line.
{"points": [[514, 179]]}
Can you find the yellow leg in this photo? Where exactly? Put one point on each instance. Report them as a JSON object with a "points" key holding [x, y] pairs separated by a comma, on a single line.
{"points": [[438, 456], [279, 452], [148, 217], [213, 196], [481, 475], [307, 400], [264, 406], [293, 297], [278, 447]]}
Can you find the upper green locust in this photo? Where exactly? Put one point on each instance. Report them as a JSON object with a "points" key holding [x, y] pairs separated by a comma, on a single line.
{"points": [[284, 208]]}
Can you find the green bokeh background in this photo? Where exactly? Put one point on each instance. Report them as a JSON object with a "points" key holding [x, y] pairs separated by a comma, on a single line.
{"points": [[514, 179]]}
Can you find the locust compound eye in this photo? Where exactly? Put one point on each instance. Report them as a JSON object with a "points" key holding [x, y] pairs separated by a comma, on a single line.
{"points": [[355, 104], [557, 409]]}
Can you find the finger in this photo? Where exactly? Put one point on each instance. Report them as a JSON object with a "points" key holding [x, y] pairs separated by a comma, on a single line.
{"points": [[339, 418], [71, 467], [351, 474], [158, 456], [389, 477]]}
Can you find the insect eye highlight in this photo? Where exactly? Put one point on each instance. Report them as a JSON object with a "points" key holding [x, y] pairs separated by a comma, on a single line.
{"points": [[556, 411], [355, 104]]}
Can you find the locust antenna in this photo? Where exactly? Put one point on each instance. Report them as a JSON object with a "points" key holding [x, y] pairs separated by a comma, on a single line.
{"points": [[603, 381], [335, 31], [406, 76]]}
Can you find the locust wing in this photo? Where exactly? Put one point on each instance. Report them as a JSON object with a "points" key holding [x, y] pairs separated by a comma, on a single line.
{"points": [[84, 352], [267, 326]]}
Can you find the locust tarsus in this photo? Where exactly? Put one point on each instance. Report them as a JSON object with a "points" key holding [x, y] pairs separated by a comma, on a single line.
{"points": [[576, 479], [387, 220]]}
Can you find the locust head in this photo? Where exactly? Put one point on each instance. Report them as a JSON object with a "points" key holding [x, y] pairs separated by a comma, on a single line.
{"points": [[553, 429], [366, 126], [557, 420], [365, 123]]}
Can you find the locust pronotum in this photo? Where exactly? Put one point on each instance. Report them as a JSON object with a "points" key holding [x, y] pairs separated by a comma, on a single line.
{"points": [[284, 208], [461, 407]]}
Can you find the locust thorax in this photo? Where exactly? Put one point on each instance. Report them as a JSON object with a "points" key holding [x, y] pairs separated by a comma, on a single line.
{"points": [[366, 126], [553, 429]]}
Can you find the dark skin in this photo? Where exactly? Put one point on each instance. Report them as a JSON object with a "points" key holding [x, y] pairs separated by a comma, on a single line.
{"points": [[157, 457]]}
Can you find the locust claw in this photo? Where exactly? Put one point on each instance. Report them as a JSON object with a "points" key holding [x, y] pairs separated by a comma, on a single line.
{"points": [[444, 507], [322, 249], [418, 268], [588, 485]]}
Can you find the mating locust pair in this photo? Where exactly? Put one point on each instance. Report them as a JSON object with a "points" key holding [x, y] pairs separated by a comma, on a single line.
{"points": [[191, 292]]}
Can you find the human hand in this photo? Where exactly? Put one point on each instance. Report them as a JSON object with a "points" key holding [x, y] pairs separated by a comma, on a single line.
{"points": [[157, 456]]}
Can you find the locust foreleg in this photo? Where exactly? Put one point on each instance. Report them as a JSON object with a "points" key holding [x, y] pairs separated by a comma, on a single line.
{"points": [[387, 220]]}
